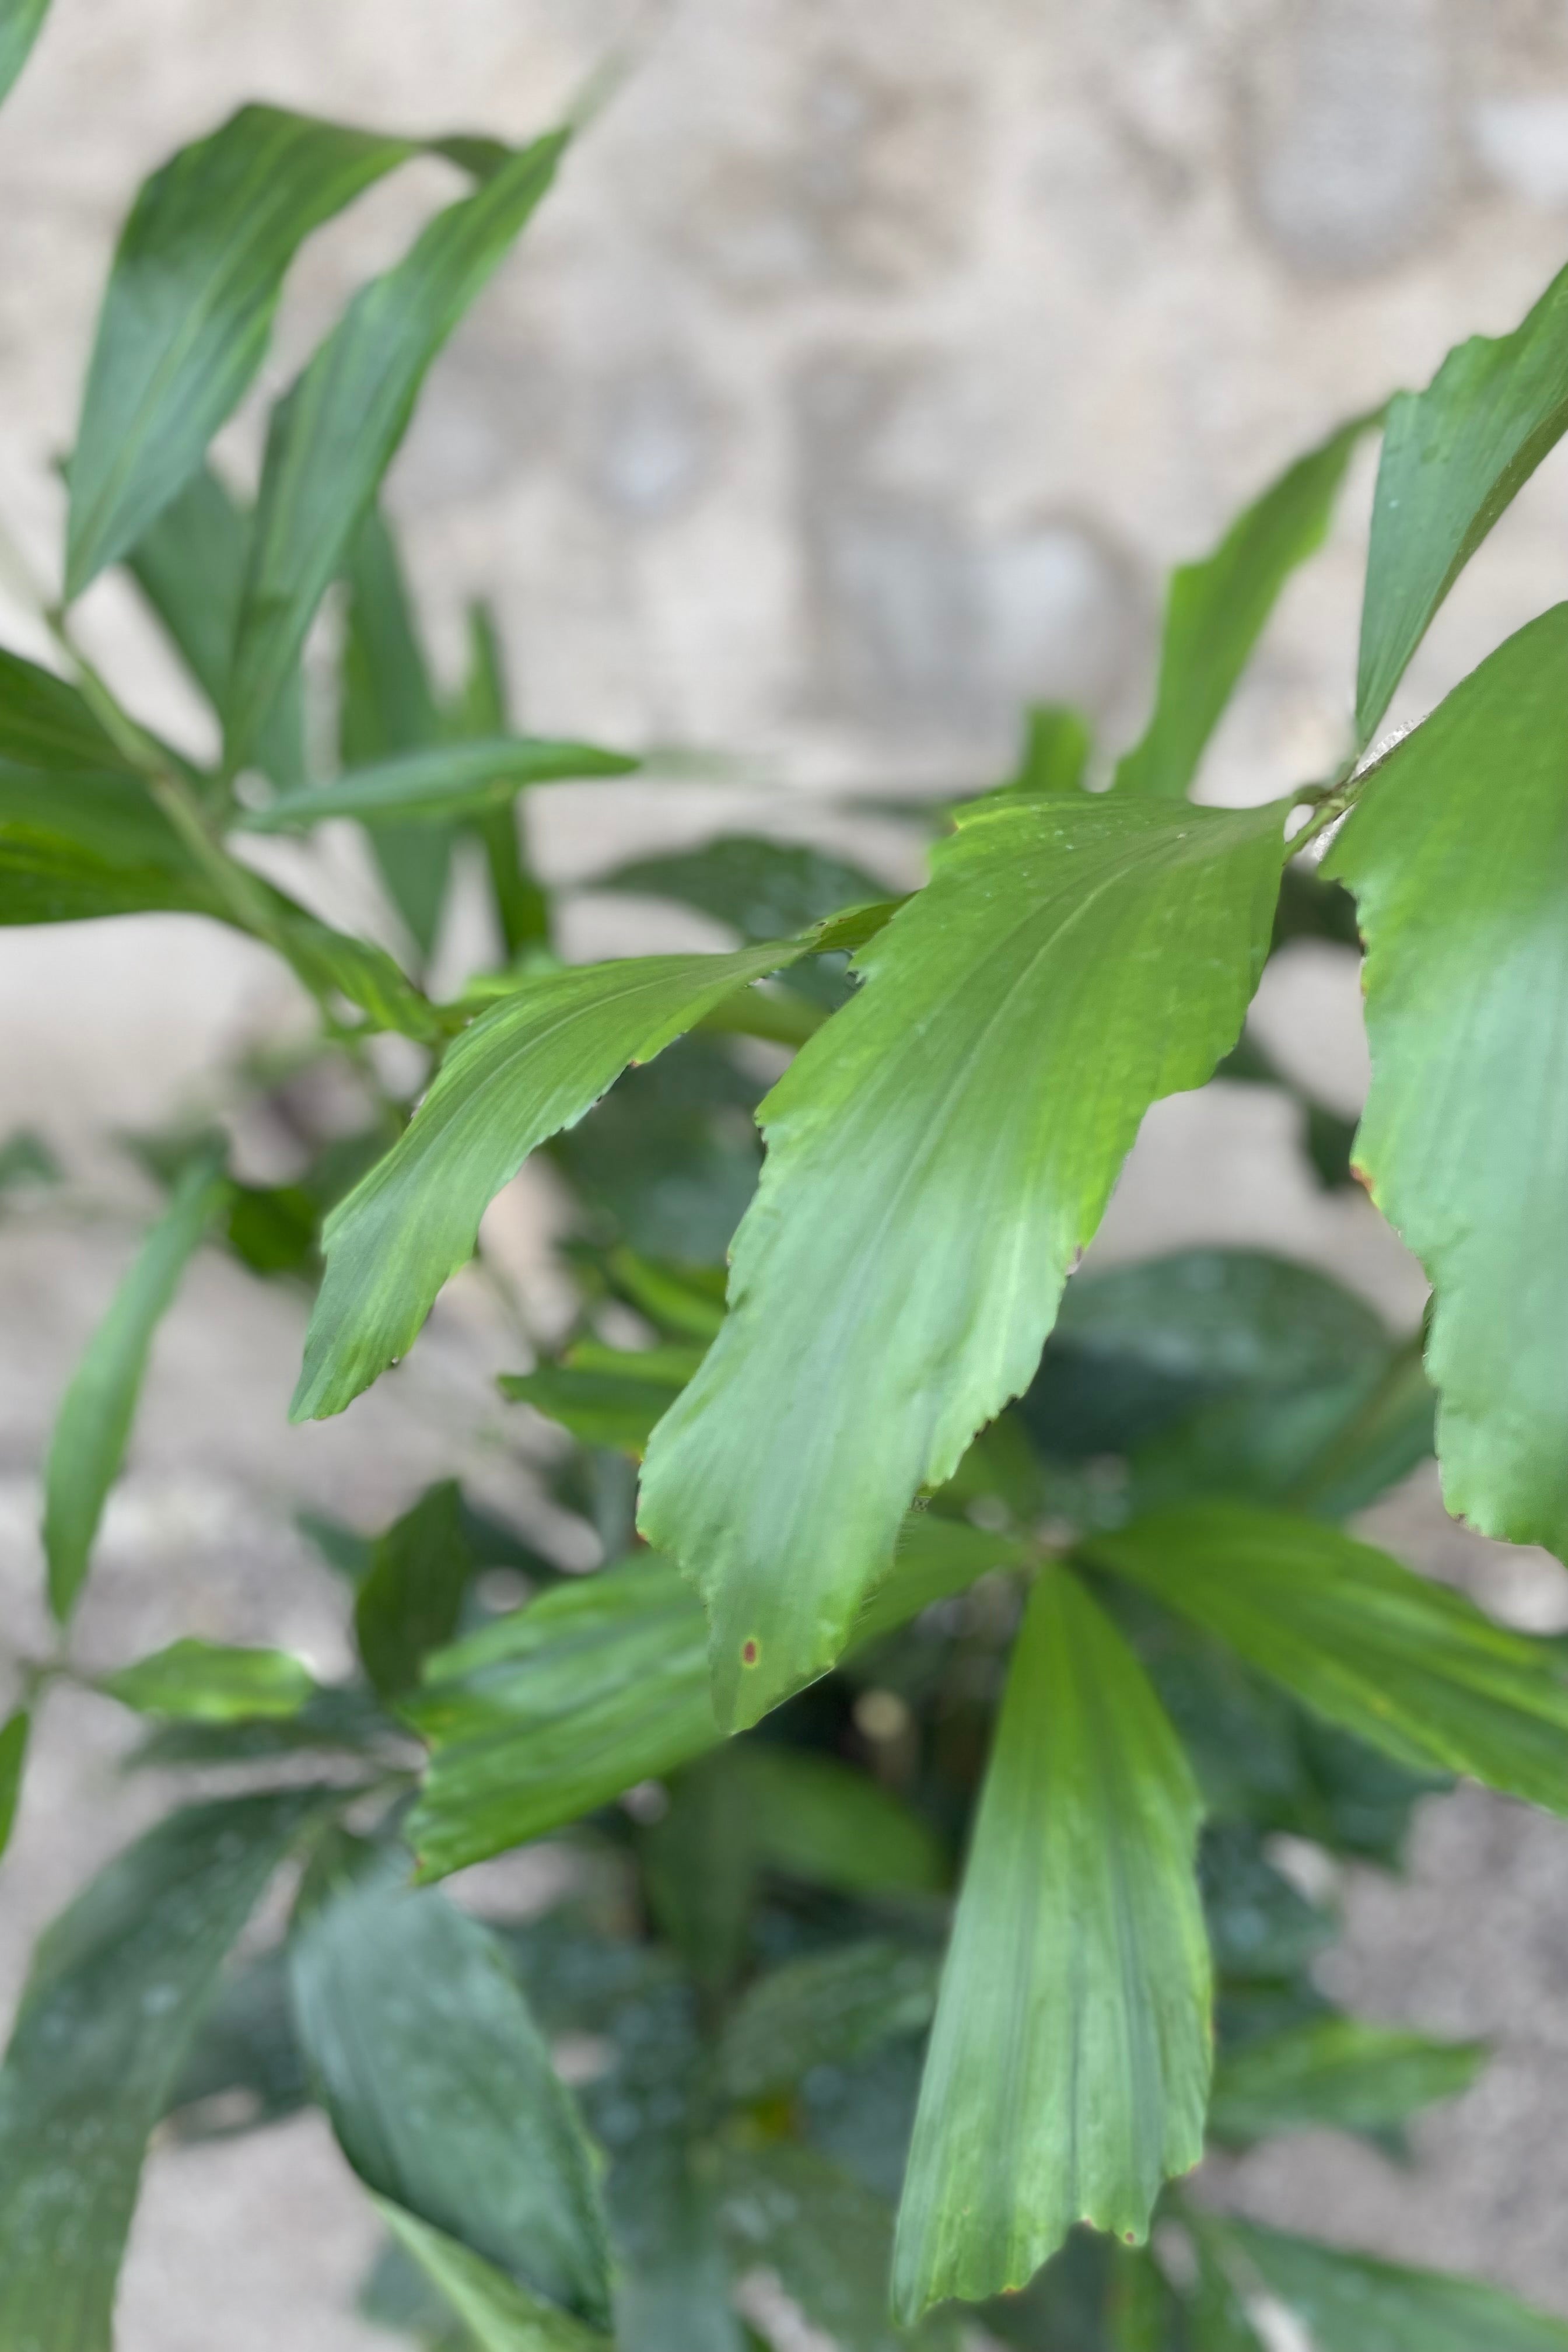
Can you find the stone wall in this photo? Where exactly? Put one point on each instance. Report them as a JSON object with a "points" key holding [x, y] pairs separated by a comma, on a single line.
{"points": [[865, 375]]}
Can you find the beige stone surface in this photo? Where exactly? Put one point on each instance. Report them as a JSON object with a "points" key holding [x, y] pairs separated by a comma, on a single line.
{"points": [[864, 373]]}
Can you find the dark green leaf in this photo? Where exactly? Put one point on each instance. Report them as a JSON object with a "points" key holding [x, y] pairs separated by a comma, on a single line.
{"points": [[398, 2296], [189, 563], [1351, 2304], [1216, 609], [674, 2282], [826, 2008], [96, 1413], [456, 779], [763, 889], [1220, 2321], [332, 963], [599, 1408], [557, 1709], [1056, 750], [386, 705], [13, 1735], [992, 1057], [245, 2068], [1453, 458], [532, 1065], [333, 436], [209, 1682], [699, 1869], [189, 308], [115, 1996], [817, 1819], [1141, 2314], [669, 1158], [522, 908], [440, 2089], [1259, 1925], [408, 1602], [342, 1720], [25, 1159], [45, 724], [498, 2314], [1071, 2087], [1456, 856], [826, 2239], [1340, 2073], [1408, 1665], [20, 21], [271, 1228]]}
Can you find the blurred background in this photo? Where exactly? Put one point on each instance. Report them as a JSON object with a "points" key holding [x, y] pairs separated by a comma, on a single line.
{"points": [[861, 380]]}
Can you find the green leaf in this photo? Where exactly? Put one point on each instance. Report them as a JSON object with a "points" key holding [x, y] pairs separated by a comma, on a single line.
{"points": [[189, 563], [763, 889], [1216, 611], [817, 1819], [1408, 1665], [96, 1413], [558, 1708], [1259, 1924], [332, 962], [613, 1408], [498, 2313], [410, 1598], [1455, 855], [1340, 2073], [386, 705], [600, 1683], [1070, 962], [440, 2089], [699, 1869], [14, 1736], [522, 908], [1351, 2304], [20, 23], [332, 438], [245, 2068], [26, 1162], [209, 1682], [45, 724], [47, 878], [453, 780], [1055, 751], [115, 1995], [1454, 457], [827, 2238], [1141, 2314], [1071, 2084], [675, 2277], [532, 1065], [826, 2008], [189, 308], [1220, 2321]]}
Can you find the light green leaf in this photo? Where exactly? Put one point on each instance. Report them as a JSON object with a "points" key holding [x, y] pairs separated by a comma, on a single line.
{"points": [[529, 1066], [1351, 2304], [440, 2089], [332, 962], [1069, 2085], [20, 23], [1454, 457], [1337, 2072], [209, 1682], [115, 1996], [498, 2313], [190, 564], [14, 1736], [409, 1598], [1410, 1666], [600, 1408], [189, 308], [1456, 856], [333, 436], [937, 1155], [1216, 611], [1056, 750], [96, 1413], [451, 781], [826, 2008]]}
